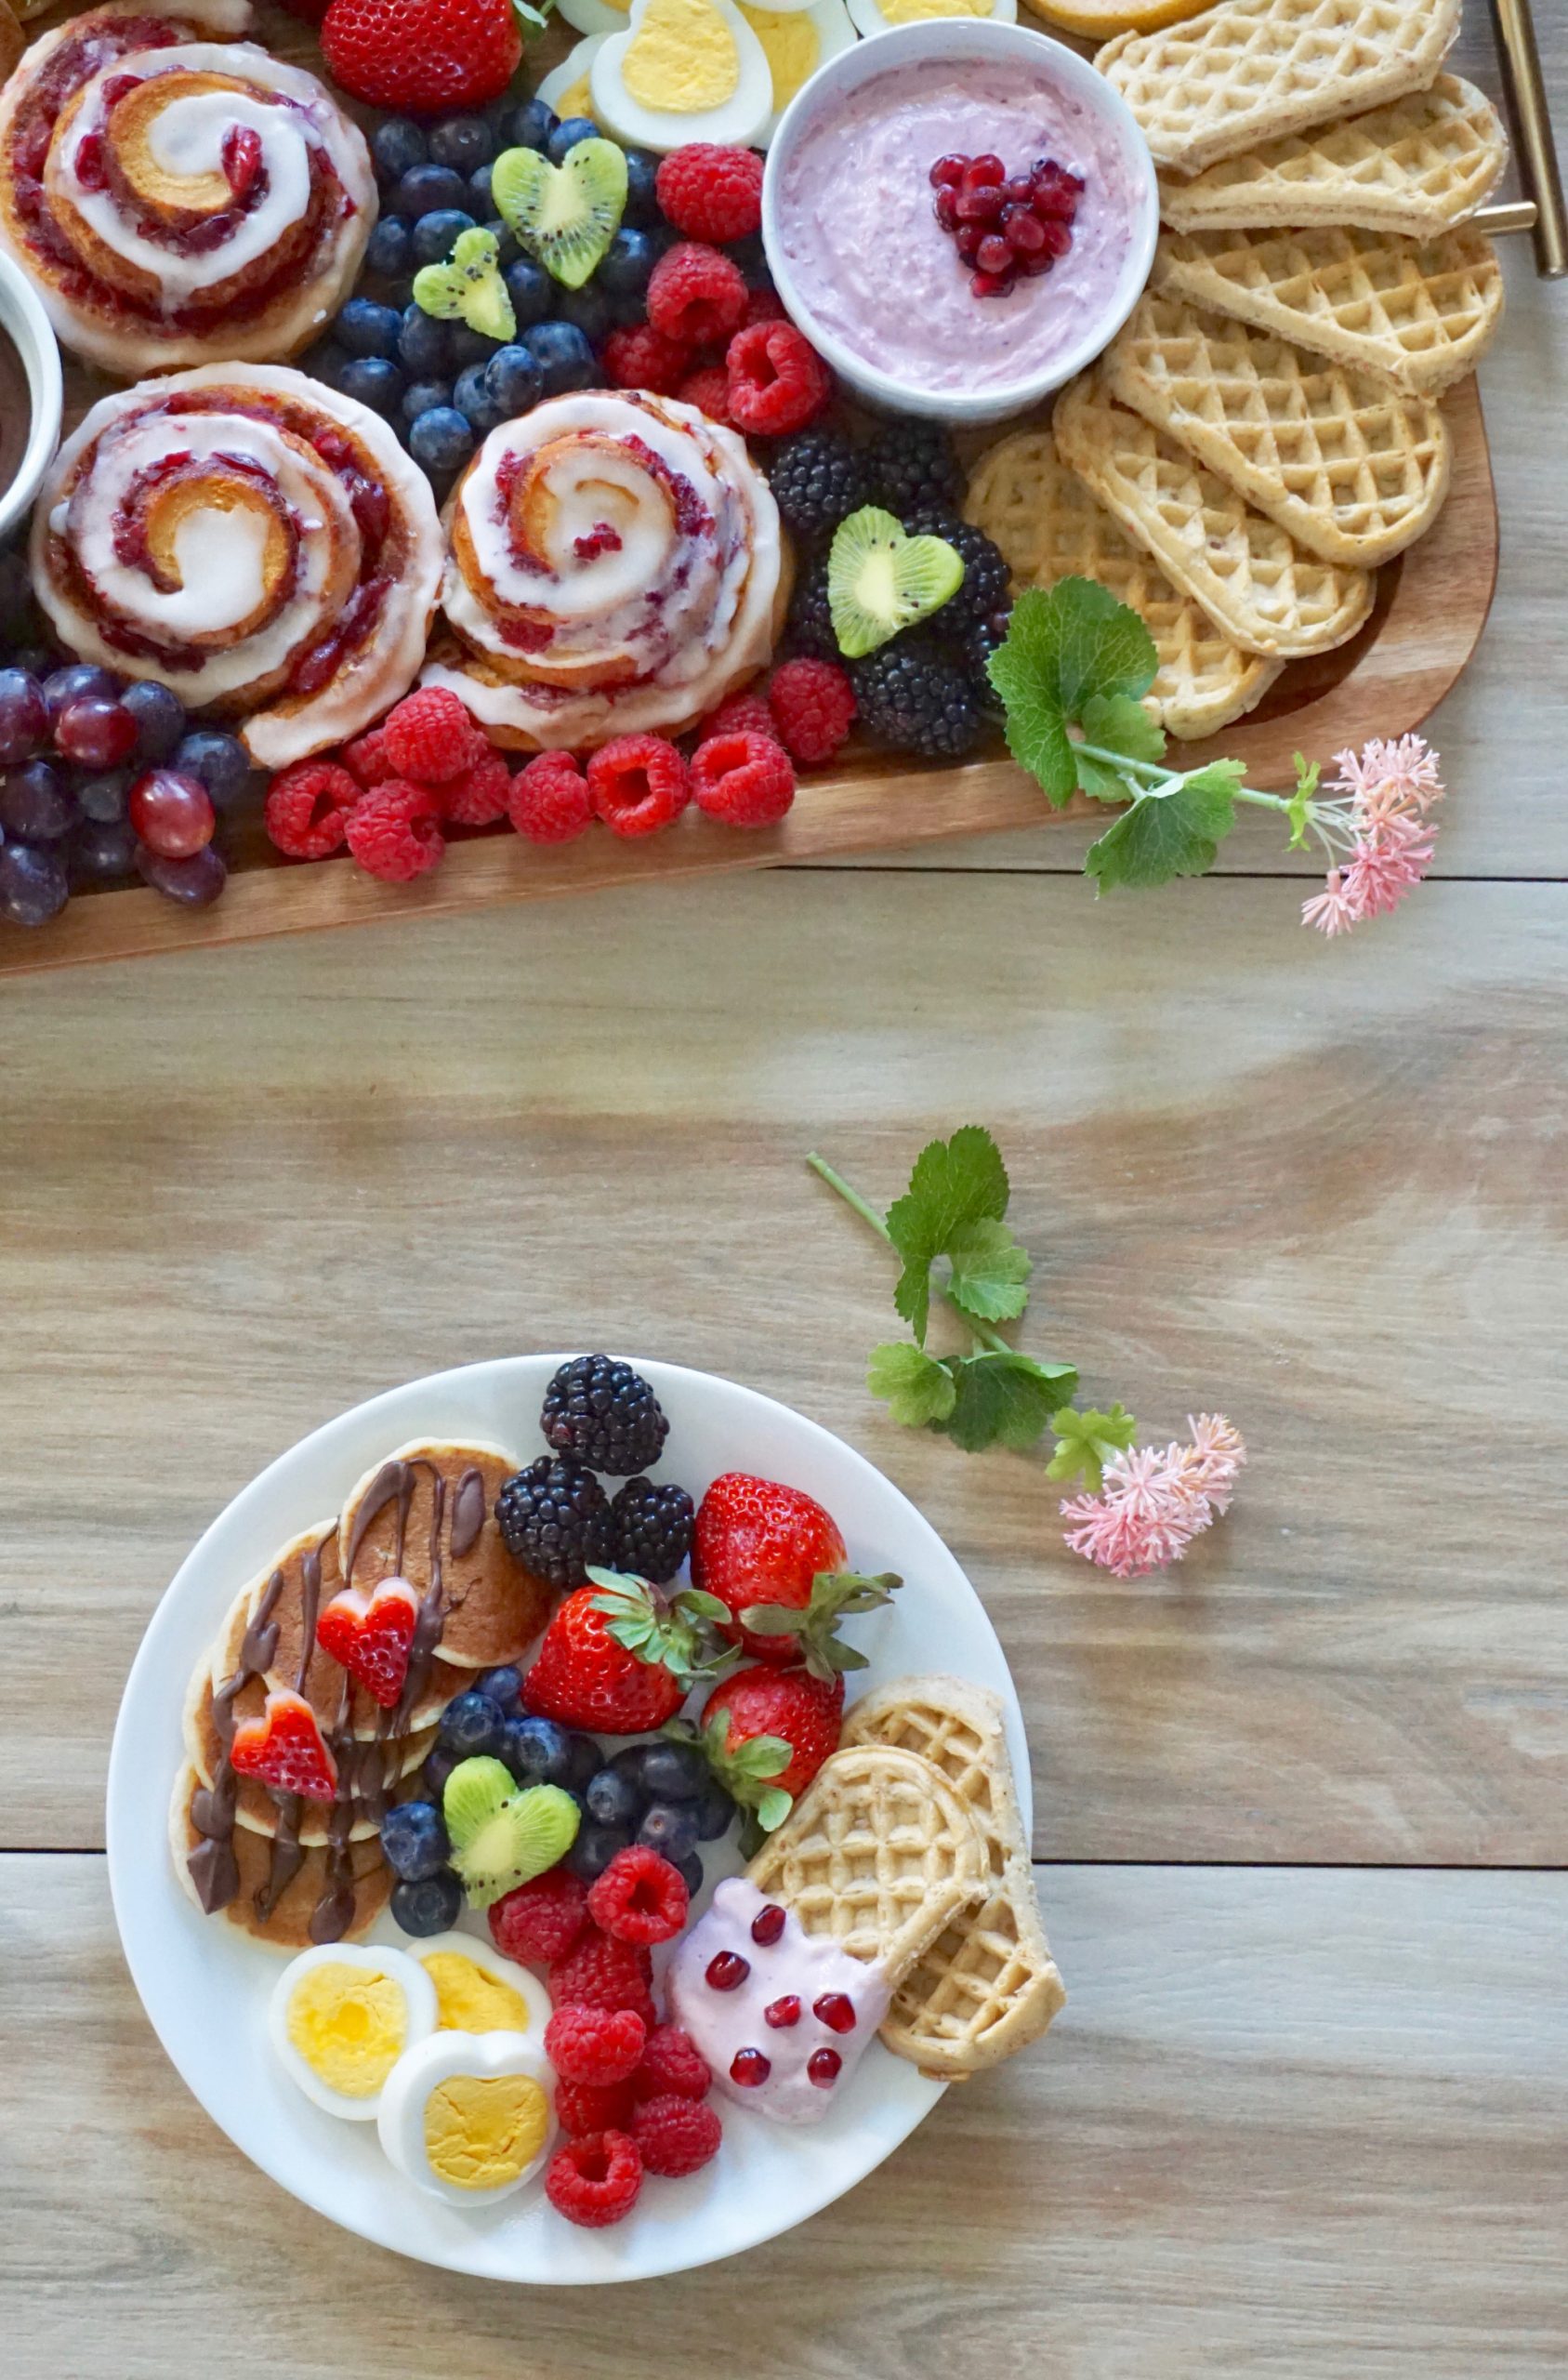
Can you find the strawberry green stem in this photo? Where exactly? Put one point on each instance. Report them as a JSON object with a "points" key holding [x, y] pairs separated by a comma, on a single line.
{"points": [[868, 1213]]}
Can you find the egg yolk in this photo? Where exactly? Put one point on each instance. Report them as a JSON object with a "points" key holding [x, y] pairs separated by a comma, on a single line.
{"points": [[578, 101], [681, 60], [349, 2023], [481, 2130], [910, 12], [469, 2001], [790, 46]]}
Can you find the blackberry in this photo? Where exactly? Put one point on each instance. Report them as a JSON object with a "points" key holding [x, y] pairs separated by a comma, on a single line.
{"points": [[605, 1414], [818, 479], [554, 1515], [986, 576], [912, 695], [652, 1530], [809, 628], [910, 467], [972, 647]]}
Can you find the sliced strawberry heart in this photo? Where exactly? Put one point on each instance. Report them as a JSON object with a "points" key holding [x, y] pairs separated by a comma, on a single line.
{"points": [[284, 1747], [369, 1630]]}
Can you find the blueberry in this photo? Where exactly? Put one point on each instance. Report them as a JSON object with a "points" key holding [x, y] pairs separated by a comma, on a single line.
{"points": [[414, 1841], [584, 1761], [423, 348], [669, 1828], [436, 233], [160, 720], [469, 346], [501, 1685], [612, 1799], [424, 396], [438, 1765], [714, 1812], [103, 849], [689, 1871], [426, 188], [506, 248], [390, 252], [441, 440], [471, 396], [515, 381], [471, 1726], [429, 1907], [372, 381], [588, 309], [642, 204], [462, 141], [532, 125], [101, 798], [397, 147], [365, 328], [541, 1749], [627, 265], [220, 761], [324, 362], [674, 1772], [479, 191], [594, 1849], [563, 355], [628, 1760], [567, 134], [530, 289]]}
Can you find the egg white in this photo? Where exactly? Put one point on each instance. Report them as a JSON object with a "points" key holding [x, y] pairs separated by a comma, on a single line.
{"points": [[419, 2002], [589, 17], [573, 67], [429, 2063], [491, 1962], [835, 31], [738, 121], [870, 20]]}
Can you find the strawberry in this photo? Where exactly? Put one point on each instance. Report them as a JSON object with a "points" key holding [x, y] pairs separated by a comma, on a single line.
{"points": [[430, 57], [775, 1560], [620, 1657], [368, 1631], [790, 1708], [285, 1749]]}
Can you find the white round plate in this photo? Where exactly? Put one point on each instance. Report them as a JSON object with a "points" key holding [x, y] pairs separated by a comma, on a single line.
{"points": [[205, 1984]]}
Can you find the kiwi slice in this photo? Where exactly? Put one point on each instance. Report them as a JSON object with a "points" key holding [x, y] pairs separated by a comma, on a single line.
{"points": [[502, 1835], [566, 215], [467, 287], [881, 580]]}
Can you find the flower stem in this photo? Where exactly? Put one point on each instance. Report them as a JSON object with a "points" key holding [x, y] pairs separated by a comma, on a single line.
{"points": [[868, 1213]]}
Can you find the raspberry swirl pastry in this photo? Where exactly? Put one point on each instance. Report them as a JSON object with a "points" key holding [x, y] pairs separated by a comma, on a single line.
{"points": [[253, 540], [614, 566], [177, 197]]}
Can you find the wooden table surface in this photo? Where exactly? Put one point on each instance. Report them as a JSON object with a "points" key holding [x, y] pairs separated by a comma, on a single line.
{"points": [[1300, 1808]]}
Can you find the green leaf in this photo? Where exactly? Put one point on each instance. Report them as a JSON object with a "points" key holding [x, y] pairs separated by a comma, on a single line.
{"points": [[954, 1183], [1005, 1399], [990, 1272], [1123, 726], [915, 1387], [1299, 810], [700, 1604], [1169, 832], [1064, 646], [773, 1808], [1085, 1443]]}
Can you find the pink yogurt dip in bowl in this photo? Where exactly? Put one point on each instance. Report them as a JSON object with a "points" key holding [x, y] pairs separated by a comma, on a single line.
{"points": [[866, 271]]}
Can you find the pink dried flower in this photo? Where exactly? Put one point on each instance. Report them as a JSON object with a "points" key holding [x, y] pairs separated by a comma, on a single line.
{"points": [[1220, 1451], [1405, 772], [1386, 866], [1332, 910], [1155, 1501]]}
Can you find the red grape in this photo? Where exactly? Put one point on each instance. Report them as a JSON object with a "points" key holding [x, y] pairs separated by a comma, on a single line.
{"points": [[96, 731], [196, 881], [173, 814], [24, 716]]}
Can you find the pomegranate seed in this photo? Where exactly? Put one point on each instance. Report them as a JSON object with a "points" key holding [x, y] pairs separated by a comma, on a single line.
{"points": [[768, 1925], [836, 2011], [993, 254], [91, 171], [1031, 267], [983, 169], [1058, 238], [780, 2013], [823, 2066], [946, 209], [969, 237], [1054, 193], [1021, 190], [1024, 233], [979, 206], [990, 285], [726, 1971], [242, 157], [948, 170], [749, 2068]]}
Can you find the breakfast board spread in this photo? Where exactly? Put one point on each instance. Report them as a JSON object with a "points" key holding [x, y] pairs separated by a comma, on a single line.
{"points": [[493, 472]]}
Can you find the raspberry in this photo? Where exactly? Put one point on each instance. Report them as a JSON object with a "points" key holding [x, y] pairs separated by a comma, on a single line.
{"points": [[595, 2045], [540, 1921], [595, 2181], [594, 2106], [671, 2065], [696, 296], [709, 391], [395, 832], [675, 2136], [549, 800], [711, 193], [307, 809], [366, 758], [644, 357], [778, 383], [744, 714], [638, 784], [639, 1898], [746, 780], [812, 706], [763, 306], [429, 737], [480, 794], [428, 57], [598, 1972]]}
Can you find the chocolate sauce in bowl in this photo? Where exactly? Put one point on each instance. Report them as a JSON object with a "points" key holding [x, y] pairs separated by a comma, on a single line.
{"points": [[15, 410]]}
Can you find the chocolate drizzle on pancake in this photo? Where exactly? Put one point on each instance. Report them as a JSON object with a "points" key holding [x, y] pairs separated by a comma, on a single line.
{"points": [[467, 1512], [213, 1870]]}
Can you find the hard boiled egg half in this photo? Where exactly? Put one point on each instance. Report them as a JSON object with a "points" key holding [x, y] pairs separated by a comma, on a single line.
{"points": [[591, 17], [470, 2117], [479, 1991], [886, 15], [796, 41], [565, 87], [342, 2015], [684, 70]]}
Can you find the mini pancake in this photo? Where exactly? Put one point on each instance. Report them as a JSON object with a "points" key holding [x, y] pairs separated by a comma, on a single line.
{"points": [[494, 1606], [323, 1681], [255, 1807], [288, 1927]]}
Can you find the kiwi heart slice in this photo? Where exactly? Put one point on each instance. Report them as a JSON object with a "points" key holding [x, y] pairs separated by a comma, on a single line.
{"points": [[881, 580], [566, 215], [502, 1835], [468, 287]]}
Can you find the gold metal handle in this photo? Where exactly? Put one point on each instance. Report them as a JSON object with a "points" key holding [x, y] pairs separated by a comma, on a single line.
{"points": [[1532, 123]]}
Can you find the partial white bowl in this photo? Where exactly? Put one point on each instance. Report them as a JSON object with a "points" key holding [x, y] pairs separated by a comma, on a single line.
{"points": [[206, 1985], [939, 41], [23, 319]]}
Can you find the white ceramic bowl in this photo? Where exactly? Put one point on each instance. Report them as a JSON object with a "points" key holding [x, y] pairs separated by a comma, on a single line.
{"points": [[27, 326], [941, 41]]}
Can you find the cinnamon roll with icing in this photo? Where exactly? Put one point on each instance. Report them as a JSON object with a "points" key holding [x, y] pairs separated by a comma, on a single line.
{"points": [[175, 195], [615, 565], [253, 540]]}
